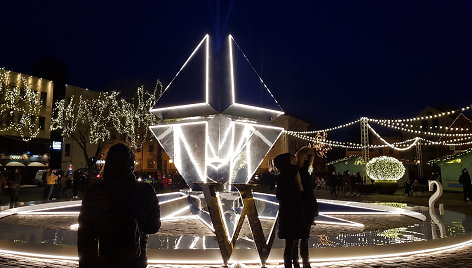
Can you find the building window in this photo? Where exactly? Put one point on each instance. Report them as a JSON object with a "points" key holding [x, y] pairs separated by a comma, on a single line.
{"points": [[67, 149], [42, 121], [151, 148], [43, 98], [150, 163]]}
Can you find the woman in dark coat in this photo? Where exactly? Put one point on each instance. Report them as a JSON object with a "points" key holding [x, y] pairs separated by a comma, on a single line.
{"points": [[305, 158], [118, 196], [291, 216]]}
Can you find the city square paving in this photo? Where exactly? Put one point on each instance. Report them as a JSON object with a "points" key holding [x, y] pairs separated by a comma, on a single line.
{"points": [[454, 258]]}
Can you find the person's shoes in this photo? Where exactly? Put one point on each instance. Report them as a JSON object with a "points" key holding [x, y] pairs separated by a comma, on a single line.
{"points": [[306, 264], [296, 264]]}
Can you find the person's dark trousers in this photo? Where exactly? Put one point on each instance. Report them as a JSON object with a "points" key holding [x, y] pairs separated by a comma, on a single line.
{"points": [[467, 193], [291, 246], [14, 192], [303, 254], [48, 191]]}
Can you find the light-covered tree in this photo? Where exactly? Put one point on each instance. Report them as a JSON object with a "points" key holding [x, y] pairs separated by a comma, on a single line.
{"points": [[87, 121], [19, 106], [132, 119]]}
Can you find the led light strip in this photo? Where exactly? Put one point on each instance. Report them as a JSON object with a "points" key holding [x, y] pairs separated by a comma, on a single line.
{"points": [[207, 39], [230, 38]]}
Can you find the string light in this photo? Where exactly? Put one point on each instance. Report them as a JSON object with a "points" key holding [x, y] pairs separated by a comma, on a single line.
{"points": [[330, 129], [420, 132], [433, 116], [449, 157]]}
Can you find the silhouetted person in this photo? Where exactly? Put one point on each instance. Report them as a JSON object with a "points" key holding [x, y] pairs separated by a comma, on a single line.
{"points": [[14, 187], [305, 158], [291, 214], [464, 179], [116, 215]]}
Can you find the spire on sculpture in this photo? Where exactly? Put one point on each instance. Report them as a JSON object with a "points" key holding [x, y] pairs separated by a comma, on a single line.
{"points": [[217, 113]]}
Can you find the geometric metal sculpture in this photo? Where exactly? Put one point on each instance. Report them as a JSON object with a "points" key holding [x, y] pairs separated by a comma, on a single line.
{"points": [[217, 114], [216, 128]]}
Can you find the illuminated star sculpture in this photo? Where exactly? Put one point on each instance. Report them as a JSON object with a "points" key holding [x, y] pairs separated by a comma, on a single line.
{"points": [[216, 117], [216, 127]]}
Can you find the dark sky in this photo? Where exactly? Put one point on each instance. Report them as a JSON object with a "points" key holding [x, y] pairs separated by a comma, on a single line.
{"points": [[328, 62]]}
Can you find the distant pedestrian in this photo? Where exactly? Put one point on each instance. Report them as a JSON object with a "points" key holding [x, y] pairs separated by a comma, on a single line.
{"points": [[116, 216], [3, 184], [464, 179], [291, 214], [14, 187], [51, 179]]}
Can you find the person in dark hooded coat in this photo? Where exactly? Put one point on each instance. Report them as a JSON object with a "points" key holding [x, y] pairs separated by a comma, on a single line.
{"points": [[291, 214], [305, 157], [118, 191]]}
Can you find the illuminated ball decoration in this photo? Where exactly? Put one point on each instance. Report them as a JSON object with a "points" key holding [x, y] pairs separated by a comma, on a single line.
{"points": [[385, 168]]}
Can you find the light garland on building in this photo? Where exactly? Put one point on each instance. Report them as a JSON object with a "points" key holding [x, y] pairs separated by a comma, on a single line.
{"points": [[385, 168], [19, 106]]}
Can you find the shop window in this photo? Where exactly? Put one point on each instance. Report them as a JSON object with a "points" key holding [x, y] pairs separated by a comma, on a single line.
{"points": [[151, 148]]}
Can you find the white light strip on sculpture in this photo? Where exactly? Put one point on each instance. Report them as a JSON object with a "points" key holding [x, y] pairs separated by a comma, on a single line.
{"points": [[172, 200], [179, 218], [185, 106], [207, 224], [267, 201], [260, 79], [233, 93], [220, 206], [43, 211], [175, 213], [206, 38], [178, 136], [349, 223], [257, 108], [207, 71]]}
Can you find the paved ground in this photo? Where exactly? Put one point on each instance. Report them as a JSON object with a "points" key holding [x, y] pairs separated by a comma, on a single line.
{"points": [[454, 258]]}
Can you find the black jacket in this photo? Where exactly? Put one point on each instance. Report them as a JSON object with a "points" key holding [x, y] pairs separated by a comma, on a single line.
{"points": [[464, 179], [139, 199], [291, 214], [310, 204]]}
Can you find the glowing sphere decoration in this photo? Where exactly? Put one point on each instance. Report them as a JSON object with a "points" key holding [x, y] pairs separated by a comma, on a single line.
{"points": [[385, 168]]}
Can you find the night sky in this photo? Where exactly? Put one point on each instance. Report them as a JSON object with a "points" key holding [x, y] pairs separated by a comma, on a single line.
{"points": [[328, 62]]}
